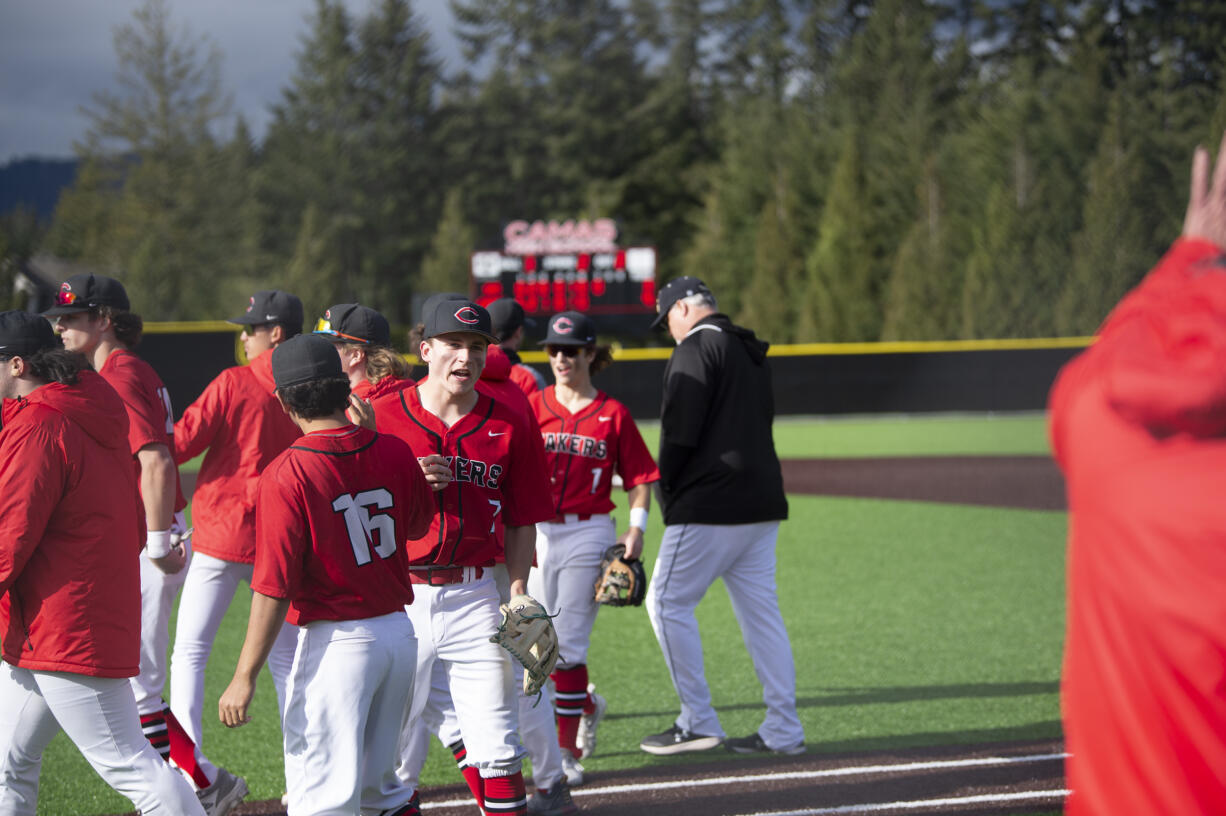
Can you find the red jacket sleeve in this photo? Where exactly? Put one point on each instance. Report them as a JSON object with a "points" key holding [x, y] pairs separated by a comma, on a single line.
{"points": [[30, 488], [195, 430]]}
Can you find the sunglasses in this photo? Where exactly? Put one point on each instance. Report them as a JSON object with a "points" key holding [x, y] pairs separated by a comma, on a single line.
{"points": [[566, 351], [324, 326]]}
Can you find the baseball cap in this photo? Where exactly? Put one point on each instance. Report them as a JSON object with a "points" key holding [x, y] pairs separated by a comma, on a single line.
{"points": [[673, 291], [506, 315], [272, 306], [304, 357], [22, 333], [455, 315], [86, 291], [570, 329], [355, 323]]}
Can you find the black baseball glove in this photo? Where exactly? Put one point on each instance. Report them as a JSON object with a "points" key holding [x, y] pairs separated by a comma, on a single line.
{"points": [[623, 581]]}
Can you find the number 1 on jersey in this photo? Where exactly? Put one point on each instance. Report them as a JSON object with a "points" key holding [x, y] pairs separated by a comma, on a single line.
{"points": [[362, 525], [596, 478]]}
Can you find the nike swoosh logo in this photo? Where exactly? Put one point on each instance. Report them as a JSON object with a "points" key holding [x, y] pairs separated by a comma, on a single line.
{"points": [[604, 419], [498, 434], [270, 317]]}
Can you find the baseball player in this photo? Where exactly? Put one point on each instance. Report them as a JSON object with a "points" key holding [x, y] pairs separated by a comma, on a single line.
{"points": [[70, 534], [722, 493], [481, 461], [333, 514], [509, 322], [537, 729], [588, 437], [92, 317], [364, 341], [240, 424]]}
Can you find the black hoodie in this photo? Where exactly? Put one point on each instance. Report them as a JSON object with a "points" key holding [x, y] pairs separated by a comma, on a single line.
{"points": [[717, 454]]}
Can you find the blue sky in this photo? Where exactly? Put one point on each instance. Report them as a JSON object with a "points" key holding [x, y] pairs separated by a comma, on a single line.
{"points": [[55, 53]]}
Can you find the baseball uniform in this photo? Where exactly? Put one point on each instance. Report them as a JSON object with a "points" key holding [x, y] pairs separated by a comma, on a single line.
{"points": [[583, 450], [334, 512], [240, 424], [70, 534], [497, 481]]}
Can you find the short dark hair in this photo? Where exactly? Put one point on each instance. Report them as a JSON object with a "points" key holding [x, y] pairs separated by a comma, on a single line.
{"points": [[128, 326], [316, 399], [55, 365], [288, 329], [602, 360]]}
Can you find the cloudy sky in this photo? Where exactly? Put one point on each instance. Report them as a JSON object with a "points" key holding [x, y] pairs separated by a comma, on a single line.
{"points": [[55, 53]]}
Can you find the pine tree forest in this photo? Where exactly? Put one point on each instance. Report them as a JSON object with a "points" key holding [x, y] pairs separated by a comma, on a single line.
{"points": [[836, 170]]}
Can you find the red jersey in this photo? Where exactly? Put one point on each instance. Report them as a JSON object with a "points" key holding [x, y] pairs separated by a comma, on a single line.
{"points": [[584, 449], [333, 515], [151, 421], [368, 391], [498, 478], [1138, 425], [70, 531], [243, 427]]}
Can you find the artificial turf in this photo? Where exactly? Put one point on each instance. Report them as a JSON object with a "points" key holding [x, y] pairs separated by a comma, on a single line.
{"points": [[912, 624]]}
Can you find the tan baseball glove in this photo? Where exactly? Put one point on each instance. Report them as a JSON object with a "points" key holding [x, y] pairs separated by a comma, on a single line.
{"points": [[622, 581], [528, 634]]}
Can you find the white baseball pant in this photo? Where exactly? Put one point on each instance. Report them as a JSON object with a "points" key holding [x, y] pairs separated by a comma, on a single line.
{"points": [[536, 724], [347, 697], [157, 597], [691, 558], [568, 557], [99, 715], [453, 623], [207, 592]]}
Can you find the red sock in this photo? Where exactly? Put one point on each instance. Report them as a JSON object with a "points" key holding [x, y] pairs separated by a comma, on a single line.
{"points": [[183, 750], [154, 726], [471, 775], [505, 795], [571, 698]]}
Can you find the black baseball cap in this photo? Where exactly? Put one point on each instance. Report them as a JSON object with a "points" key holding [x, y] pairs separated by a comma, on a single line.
{"points": [[86, 291], [506, 315], [272, 306], [23, 333], [354, 323], [673, 291], [303, 358], [446, 314], [570, 329]]}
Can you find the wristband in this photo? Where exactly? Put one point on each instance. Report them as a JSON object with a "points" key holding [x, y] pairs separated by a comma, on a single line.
{"points": [[157, 543], [638, 518]]}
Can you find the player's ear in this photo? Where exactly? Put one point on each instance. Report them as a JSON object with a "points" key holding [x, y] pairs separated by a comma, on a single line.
{"points": [[276, 334]]}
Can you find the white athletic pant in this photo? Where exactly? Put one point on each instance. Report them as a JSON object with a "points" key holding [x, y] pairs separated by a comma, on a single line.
{"points": [[346, 702], [453, 625], [537, 730], [691, 557], [99, 715], [569, 556], [207, 592], [157, 597]]}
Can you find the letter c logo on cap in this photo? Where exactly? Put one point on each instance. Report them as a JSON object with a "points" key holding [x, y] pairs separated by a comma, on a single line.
{"points": [[468, 314], [563, 325]]}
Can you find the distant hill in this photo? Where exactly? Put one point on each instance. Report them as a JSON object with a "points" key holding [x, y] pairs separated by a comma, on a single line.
{"points": [[35, 183]]}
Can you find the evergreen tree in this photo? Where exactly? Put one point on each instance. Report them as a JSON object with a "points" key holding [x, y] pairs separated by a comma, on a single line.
{"points": [[446, 267]]}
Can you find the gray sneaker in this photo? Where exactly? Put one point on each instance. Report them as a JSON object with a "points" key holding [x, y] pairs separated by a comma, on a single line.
{"points": [[678, 741], [555, 801], [226, 791]]}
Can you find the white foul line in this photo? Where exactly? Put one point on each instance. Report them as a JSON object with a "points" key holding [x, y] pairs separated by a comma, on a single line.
{"points": [[855, 770]]}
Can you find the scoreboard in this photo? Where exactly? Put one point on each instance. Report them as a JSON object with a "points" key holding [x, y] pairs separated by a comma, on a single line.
{"points": [[552, 267]]}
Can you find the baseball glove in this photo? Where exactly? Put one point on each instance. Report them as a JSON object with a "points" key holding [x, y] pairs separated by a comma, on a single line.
{"points": [[623, 581], [528, 634]]}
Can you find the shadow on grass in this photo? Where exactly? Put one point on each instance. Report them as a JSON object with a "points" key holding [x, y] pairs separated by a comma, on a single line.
{"points": [[1042, 730], [850, 695]]}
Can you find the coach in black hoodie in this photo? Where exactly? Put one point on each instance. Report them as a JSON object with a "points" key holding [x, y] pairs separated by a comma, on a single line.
{"points": [[723, 501]]}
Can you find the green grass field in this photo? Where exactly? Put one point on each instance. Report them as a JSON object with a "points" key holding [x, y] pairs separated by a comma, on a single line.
{"points": [[912, 624]]}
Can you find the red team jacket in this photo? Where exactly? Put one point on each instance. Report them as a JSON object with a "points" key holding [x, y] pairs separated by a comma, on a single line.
{"points": [[498, 473], [584, 449], [70, 532], [334, 512], [150, 416], [1138, 425], [369, 391], [241, 424]]}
